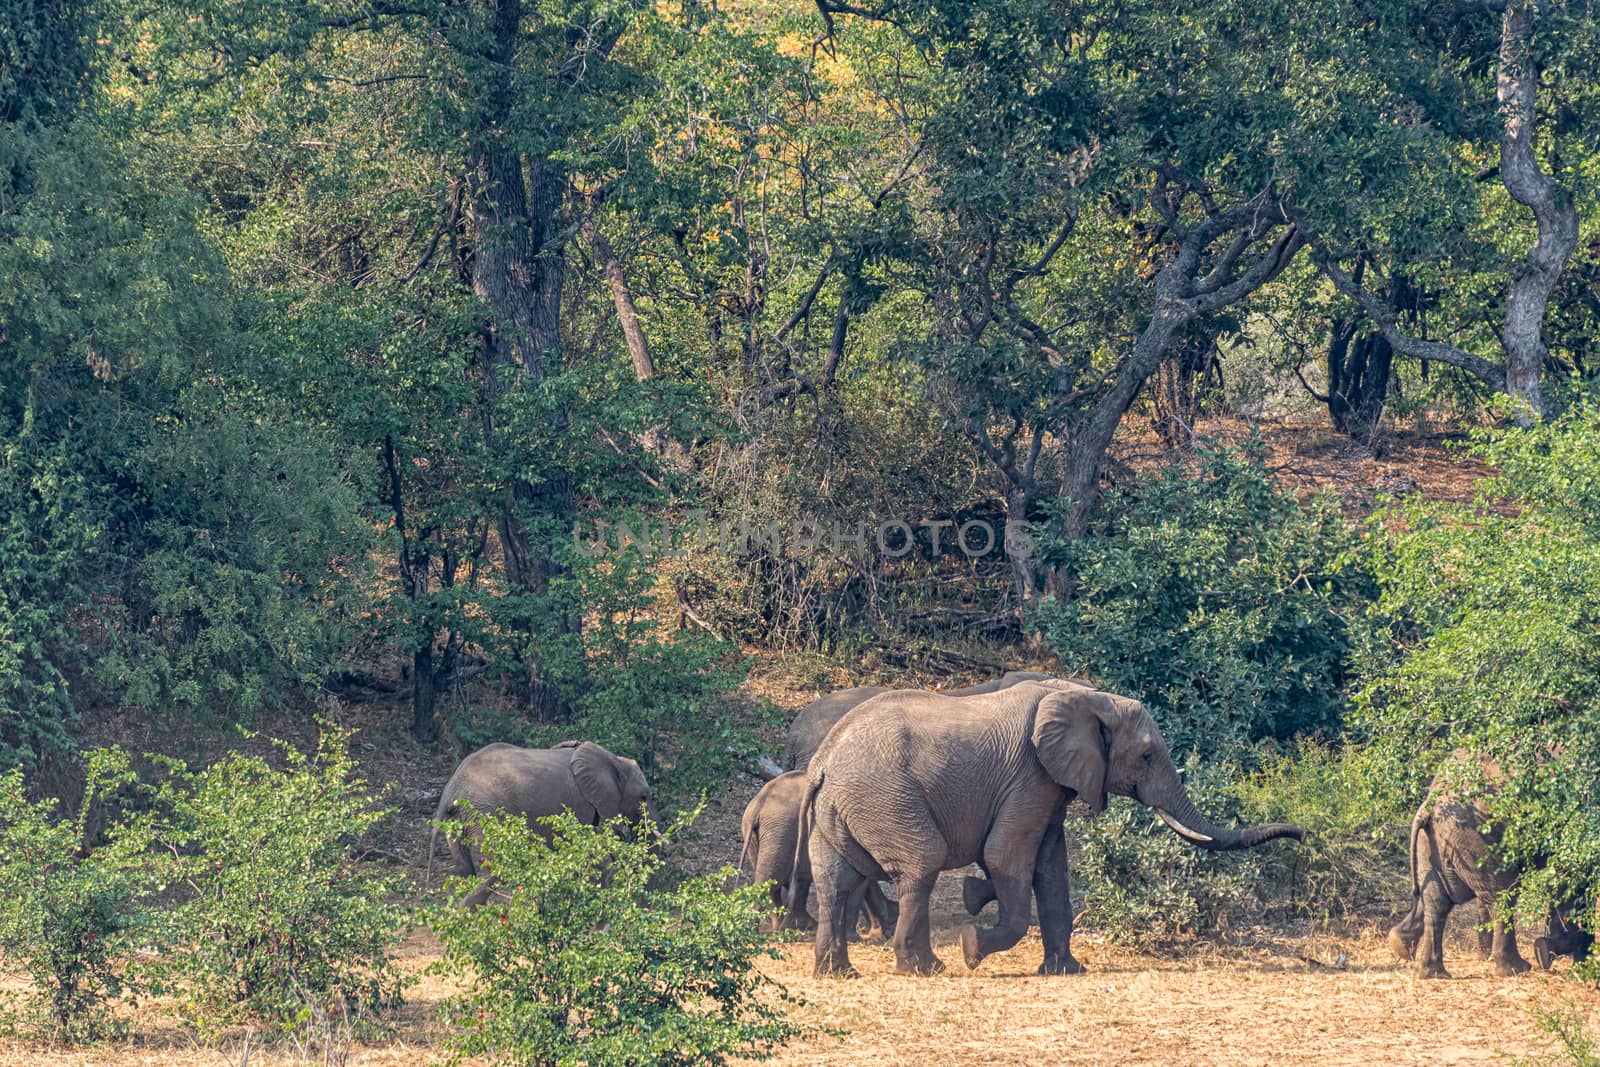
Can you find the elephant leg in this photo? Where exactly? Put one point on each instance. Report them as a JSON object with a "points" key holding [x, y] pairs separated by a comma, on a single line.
{"points": [[1405, 934], [913, 943], [798, 915], [1013, 893], [836, 883], [1507, 960], [882, 913], [1436, 905], [469, 863], [1563, 938], [1485, 929], [773, 921], [1052, 892]]}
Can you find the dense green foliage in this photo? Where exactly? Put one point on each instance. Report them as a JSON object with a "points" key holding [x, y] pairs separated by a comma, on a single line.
{"points": [[581, 958], [70, 914], [330, 332], [234, 888], [276, 919], [1217, 599], [1491, 611]]}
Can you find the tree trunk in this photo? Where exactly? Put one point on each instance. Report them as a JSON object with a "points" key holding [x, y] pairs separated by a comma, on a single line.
{"points": [[518, 268], [1081, 473], [1181, 384], [1019, 547], [424, 694], [1358, 380], [1517, 83]]}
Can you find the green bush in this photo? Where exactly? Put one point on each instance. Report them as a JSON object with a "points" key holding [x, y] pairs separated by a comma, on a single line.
{"points": [[1145, 886], [1217, 599], [277, 920], [582, 959], [654, 695], [1352, 865], [69, 910], [1576, 1045], [1489, 613]]}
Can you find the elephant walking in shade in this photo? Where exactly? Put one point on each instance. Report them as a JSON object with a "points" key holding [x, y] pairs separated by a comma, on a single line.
{"points": [[818, 717], [1454, 862], [576, 776], [911, 784], [771, 829]]}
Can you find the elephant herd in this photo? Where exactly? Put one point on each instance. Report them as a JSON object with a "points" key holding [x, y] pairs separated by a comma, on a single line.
{"points": [[900, 785]]}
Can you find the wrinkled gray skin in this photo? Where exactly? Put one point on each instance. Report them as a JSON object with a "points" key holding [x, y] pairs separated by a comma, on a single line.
{"points": [[771, 828], [1453, 863], [578, 776], [911, 784], [818, 717], [805, 736]]}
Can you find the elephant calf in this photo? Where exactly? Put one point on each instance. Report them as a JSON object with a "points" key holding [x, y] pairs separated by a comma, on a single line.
{"points": [[1453, 862], [576, 776], [772, 840]]}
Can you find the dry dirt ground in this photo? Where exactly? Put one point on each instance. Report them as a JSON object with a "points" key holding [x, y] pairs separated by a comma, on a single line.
{"points": [[1207, 1007], [1255, 1003]]}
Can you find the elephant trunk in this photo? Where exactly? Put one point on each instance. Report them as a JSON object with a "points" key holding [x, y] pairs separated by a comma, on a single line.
{"points": [[1179, 813]]}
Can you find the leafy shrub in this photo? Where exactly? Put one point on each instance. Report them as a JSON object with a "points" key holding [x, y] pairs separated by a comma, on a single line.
{"points": [[1145, 886], [67, 911], [1214, 597], [582, 960], [1576, 1045], [1489, 616], [1352, 865], [278, 919]]}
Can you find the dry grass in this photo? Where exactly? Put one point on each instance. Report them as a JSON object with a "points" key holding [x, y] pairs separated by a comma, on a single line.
{"points": [[1261, 1004], [1261, 1007]]}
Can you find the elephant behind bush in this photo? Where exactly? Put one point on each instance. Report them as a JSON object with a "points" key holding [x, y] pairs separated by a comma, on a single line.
{"points": [[1453, 862], [814, 721], [577, 776]]}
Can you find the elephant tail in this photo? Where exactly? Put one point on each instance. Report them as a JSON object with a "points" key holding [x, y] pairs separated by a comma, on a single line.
{"points": [[1419, 829], [800, 870], [752, 835], [439, 816]]}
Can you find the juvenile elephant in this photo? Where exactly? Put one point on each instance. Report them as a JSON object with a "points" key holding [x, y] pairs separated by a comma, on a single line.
{"points": [[771, 828], [818, 717], [1454, 862], [576, 776], [911, 784]]}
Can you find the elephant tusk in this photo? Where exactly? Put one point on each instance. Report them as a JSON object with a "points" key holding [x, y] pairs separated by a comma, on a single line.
{"points": [[1180, 829]]}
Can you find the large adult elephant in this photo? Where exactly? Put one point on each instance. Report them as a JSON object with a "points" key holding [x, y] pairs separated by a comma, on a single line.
{"points": [[913, 783], [576, 776], [814, 721], [1454, 861]]}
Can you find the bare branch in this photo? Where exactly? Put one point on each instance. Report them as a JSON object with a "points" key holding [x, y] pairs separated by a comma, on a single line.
{"points": [[1384, 318]]}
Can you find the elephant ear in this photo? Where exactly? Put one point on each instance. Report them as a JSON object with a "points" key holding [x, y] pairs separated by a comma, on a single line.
{"points": [[1067, 736], [596, 772]]}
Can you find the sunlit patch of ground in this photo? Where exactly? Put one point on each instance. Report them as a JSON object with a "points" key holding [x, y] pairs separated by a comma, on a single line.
{"points": [[1261, 1006], [1258, 1005]]}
